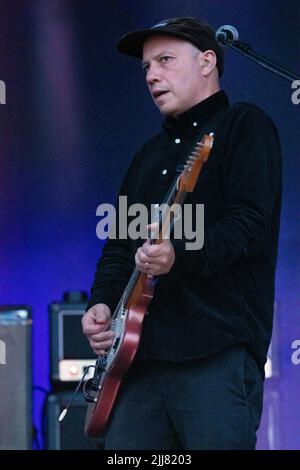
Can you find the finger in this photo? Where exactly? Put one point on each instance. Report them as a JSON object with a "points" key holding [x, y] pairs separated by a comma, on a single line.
{"points": [[141, 258], [101, 316], [139, 264], [92, 319], [152, 226], [91, 329], [153, 271], [150, 252], [101, 345], [153, 231], [100, 352], [94, 329], [103, 336], [144, 258], [137, 256], [157, 250]]}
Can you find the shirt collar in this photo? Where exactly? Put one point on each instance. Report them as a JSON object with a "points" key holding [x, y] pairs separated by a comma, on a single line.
{"points": [[195, 117]]}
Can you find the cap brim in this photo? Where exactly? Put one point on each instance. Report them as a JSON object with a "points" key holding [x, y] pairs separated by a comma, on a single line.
{"points": [[132, 43]]}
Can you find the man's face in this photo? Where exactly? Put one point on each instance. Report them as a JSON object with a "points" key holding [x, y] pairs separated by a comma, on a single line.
{"points": [[173, 74]]}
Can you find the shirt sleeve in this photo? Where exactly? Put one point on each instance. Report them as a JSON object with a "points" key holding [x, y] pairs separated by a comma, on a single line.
{"points": [[252, 175], [114, 265]]}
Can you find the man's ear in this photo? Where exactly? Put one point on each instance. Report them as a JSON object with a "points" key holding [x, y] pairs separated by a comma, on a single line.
{"points": [[208, 62]]}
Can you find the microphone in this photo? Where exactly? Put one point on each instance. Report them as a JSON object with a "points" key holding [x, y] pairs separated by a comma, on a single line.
{"points": [[227, 33]]}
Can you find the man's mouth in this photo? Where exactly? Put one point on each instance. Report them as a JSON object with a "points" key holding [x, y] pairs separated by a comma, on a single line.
{"points": [[158, 93]]}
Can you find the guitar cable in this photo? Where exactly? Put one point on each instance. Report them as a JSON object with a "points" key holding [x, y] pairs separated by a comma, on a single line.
{"points": [[65, 410]]}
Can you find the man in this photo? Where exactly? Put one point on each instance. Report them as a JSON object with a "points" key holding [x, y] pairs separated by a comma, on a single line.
{"points": [[197, 379]]}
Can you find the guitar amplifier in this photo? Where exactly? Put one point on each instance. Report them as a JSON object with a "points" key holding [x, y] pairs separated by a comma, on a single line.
{"points": [[15, 378], [68, 434], [70, 352]]}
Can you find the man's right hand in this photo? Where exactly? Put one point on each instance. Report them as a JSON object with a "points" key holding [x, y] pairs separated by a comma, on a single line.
{"points": [[96, 326]]}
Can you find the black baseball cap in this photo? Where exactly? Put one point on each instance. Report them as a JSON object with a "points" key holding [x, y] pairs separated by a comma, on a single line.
{"points": [[193, 30]]}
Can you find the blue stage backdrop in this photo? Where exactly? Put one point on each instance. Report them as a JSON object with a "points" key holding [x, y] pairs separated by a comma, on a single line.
{"points": [[75, 113]]}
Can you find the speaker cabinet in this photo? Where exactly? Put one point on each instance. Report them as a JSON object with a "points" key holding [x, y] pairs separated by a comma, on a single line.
{"points": [[70, 352], [69, 434], [15, 378]]}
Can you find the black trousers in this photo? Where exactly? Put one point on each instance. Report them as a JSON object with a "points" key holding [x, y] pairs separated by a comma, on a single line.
{"points": [[208, 403]]}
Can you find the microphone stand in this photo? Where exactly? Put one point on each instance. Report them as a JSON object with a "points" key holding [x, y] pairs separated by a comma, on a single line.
{"points": [[246, 50]]}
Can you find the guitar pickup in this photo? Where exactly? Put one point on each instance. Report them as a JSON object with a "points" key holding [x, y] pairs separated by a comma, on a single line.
{"points": [[116, 343]]}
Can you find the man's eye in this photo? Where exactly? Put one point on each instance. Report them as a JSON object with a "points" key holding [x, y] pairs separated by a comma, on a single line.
{"points": [[165, 58], [146, 68]]}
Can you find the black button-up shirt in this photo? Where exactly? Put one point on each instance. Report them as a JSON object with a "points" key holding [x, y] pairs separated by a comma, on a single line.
{"points": [[223, 293]]}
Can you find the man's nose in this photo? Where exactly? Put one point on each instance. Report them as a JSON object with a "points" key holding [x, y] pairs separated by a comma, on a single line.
{"points": [[153, 74]]}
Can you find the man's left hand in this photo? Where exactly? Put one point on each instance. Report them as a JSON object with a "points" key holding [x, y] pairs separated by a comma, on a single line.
{"points": [[155, 259]]}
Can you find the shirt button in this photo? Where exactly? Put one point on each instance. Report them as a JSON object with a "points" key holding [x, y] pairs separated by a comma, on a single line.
{"points": [[195, 124], [177, 141], [164, 172]]}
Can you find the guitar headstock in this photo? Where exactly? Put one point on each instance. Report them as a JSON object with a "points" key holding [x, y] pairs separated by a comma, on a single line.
{"points": [[188, 178]]}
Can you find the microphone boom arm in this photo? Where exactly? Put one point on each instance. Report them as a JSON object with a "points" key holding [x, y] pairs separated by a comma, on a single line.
{"points": [[246, 50]]}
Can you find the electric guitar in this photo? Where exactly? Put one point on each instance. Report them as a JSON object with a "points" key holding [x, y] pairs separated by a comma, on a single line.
{"points": [[101, 391]]}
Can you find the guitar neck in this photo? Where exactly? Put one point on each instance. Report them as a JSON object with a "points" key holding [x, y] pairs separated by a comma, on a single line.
{"points": [[135, 285]]}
